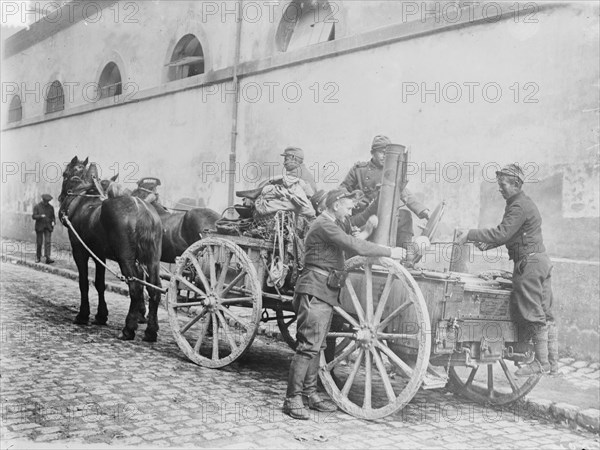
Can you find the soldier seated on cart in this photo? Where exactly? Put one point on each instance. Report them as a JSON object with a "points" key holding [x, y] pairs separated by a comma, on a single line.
{"points": [[294, 167], [317, 292], [366, 176], [521, 232]]}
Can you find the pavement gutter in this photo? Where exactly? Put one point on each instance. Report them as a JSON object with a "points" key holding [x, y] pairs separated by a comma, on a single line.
{"points": [[562, 412]]}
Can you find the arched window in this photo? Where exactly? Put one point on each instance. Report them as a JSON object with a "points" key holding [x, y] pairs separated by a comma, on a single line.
{"points": [[15, 110], [304, 23], [187, 59], [55, 98], [110, 81]]}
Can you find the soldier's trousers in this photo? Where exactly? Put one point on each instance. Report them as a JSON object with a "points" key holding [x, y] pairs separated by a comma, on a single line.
{"points": [[314, 320], [531, 299], [43, 237], [404, 231]]}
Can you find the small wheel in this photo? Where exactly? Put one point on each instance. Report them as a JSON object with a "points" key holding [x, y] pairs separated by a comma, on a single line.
{"points": [[284, 320], [495, 385], [214, 302], [372, 379]]}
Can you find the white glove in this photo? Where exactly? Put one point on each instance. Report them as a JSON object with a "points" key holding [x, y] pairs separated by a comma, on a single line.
{"points": [[398, 253]]}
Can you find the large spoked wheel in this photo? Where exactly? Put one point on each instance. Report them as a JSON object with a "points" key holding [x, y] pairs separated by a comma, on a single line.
{"points": [[492, 383], [285, 319], [366, 377], [214, 302]]}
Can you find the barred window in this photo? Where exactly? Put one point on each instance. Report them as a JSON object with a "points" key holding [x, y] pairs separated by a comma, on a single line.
{"points": [[187, 59], [55, 98], [110, 81], [304, 23], [15, 109]]}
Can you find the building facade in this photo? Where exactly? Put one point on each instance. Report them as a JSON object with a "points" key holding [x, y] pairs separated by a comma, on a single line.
{"points": [[147, 89]]}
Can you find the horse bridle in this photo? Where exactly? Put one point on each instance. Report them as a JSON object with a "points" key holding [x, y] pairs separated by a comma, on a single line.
{"points": [[64, 212]]}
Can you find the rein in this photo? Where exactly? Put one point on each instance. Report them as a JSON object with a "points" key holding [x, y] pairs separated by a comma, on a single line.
{"points": [[121, 277], [64, 218]]}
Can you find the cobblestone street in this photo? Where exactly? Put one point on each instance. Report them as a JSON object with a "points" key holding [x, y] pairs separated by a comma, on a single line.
{"points": [[67, 384]]}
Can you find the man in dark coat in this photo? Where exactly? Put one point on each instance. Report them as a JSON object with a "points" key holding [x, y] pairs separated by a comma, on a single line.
{"points": [[521, 232], [366, 176], [43, 214], [326, 244]]}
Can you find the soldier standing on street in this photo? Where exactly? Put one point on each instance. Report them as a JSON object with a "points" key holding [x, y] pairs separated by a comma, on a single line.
{"points": [[317, 292], [366, 176], [43, 214], [521, 232]]}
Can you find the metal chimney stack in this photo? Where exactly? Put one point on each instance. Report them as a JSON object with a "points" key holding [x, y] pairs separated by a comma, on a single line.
{"points": [[392, 183]]}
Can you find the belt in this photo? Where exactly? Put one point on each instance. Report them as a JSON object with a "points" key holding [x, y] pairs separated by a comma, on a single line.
{"points": [[317, 270]]}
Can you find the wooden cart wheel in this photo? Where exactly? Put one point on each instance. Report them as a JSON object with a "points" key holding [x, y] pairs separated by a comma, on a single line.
{"points": [[368, 379], [492, 383], [214, 302], [284, 320]]}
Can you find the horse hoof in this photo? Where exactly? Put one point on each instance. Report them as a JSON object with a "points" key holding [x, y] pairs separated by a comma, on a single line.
{"points": [[99, 322], [79, 321], [126, 337], [150, 337]]}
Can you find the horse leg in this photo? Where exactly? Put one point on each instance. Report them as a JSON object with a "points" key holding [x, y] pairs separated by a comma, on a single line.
{"points": [[151, 332], [102, 314], [136, 295], [81, 260], [142, 312]]}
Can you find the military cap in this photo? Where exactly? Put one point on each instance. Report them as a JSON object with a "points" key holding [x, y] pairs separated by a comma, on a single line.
{"points": [[512, 170], [294, 151], [46, 197], [318, 197], [380, 142], [337, 194]]}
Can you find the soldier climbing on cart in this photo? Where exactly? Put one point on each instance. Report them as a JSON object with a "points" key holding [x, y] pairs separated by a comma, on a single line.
{"points": [[521, 232], [317, 292]]}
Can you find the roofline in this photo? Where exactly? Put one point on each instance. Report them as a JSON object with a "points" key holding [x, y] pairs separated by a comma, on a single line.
{"points": [[70, 13]]}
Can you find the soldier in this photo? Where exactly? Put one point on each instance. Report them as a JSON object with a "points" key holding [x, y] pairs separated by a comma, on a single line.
{"points": [[43, 214], [366, 176], [317, 291], [521, 232], [293, 163]]}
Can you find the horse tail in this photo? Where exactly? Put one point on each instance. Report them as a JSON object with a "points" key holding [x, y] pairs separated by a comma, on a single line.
{"points": [[148, 231]]}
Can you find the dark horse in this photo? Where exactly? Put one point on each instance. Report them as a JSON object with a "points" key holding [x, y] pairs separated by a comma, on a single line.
{"points": [[181, 228], [124, 229]]}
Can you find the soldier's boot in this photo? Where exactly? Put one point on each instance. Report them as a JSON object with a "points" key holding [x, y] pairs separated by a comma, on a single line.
{"points": [[293, 405], [540, 365], [553, 347]]}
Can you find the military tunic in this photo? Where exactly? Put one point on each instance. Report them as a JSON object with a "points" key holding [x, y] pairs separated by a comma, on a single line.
{"points": [[521, 232], [305, 175], [366, 176]]}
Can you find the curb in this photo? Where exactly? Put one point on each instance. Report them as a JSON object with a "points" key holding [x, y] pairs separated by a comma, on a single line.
{"points": [[65, 273], [565, 413]]}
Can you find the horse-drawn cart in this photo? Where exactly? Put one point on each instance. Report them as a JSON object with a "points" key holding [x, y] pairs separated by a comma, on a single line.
{"points": [[396, 329]]}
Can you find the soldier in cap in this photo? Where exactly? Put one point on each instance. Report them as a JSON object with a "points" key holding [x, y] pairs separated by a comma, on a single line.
{"points": [[521, 232], [316, 293], [43, 214], [293, 163], [366, 176]]}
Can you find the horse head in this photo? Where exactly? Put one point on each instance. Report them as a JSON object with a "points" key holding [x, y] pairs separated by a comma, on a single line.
{"points": [[112, 189], [73, 176]]}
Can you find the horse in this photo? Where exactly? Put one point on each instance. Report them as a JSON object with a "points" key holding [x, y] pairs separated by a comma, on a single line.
{"points": [[124, 229], [181, 228]]}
